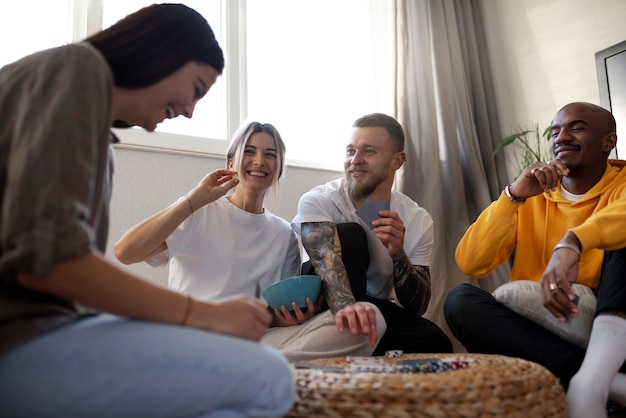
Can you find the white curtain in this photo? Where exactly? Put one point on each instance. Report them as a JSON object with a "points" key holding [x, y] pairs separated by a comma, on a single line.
{"points": [[444, 101]]}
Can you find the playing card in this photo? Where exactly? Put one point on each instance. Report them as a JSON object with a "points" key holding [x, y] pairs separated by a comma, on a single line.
{"points": [[367, 364], [326, 368], [368, 211]]}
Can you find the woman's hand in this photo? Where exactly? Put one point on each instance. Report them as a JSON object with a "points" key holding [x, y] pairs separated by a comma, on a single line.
{"points": [[242, 316], [285, 318], [213, 186]]}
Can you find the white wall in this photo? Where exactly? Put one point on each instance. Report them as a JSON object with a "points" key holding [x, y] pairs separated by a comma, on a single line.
{"points": [[147, 181], [542, 57], [542, 54]]}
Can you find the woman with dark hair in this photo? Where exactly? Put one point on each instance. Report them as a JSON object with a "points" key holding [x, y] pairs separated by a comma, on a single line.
{"points": [[135, 50], [80, 336]]}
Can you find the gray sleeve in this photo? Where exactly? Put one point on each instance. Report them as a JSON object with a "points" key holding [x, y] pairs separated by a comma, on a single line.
{"points": [[58, 162]]}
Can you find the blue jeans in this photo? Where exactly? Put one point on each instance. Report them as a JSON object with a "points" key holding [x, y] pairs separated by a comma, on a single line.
{"points": [[107, 366]]}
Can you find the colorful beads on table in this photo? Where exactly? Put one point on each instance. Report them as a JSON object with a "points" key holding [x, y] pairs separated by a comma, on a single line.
{"points": [[394, 363], [433, 365]]}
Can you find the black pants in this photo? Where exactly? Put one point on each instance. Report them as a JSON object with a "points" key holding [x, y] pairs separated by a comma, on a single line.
{"points": [[405, 331], [483, 325]]}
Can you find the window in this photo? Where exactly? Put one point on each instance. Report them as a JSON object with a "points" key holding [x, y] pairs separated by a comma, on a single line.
{"points": [[311, 71], [309, 67], [207, 131], [24, 32], [611, 69]]}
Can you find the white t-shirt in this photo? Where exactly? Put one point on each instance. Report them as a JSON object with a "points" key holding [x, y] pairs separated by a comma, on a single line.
{"points": [[221, 250], [331, 202]]}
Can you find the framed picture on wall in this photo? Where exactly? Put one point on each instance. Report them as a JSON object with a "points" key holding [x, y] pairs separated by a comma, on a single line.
{"points": [[611, 69]]}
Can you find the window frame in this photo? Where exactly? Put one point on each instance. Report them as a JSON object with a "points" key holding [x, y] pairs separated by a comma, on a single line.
{"points": [[88, 18]]}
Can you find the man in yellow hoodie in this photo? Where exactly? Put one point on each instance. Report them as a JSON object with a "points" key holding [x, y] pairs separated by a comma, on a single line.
{"points": [[564, 219]]}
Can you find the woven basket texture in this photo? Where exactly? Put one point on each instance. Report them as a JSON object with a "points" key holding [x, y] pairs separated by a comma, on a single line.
{"points": [[490, 386]]}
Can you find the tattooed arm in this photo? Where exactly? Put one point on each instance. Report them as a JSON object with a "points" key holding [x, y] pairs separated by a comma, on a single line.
{"points": [[412, 283], [321, 242]]}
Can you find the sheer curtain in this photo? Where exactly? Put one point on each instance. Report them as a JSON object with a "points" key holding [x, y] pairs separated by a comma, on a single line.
{"points": [[445, 103]]}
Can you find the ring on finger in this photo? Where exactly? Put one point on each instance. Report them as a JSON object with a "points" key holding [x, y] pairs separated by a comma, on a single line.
{"points": [[553, 286]]}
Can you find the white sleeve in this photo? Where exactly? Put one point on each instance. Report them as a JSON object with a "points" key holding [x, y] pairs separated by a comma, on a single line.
{"points": [[159, 260], [311, 208]]}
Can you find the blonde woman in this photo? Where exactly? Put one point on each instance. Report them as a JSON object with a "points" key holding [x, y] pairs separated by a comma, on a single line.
{"points": [[234, 245]]}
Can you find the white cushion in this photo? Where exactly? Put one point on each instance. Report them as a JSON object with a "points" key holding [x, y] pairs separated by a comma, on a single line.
{"points": [[524, 297]]}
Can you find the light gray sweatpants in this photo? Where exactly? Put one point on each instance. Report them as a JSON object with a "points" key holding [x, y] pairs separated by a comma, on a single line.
{"points": [[319, 338]]}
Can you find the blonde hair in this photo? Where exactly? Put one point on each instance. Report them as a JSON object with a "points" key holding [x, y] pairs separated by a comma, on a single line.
{"points": [[380, 120], [240, 140]]}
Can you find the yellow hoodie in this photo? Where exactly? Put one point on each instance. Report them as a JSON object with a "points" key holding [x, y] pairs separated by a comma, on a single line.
{"points": [[533, 229]]}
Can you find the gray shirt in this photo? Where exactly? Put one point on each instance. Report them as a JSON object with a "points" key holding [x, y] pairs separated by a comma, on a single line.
{"points": [[55, 177]]}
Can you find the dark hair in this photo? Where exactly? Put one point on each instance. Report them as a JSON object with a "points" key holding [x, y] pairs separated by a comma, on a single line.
{"points": [[380, 120], [152, 43]]}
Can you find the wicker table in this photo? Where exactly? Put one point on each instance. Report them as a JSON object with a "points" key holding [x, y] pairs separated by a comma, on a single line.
{"points": [[489, 386]]}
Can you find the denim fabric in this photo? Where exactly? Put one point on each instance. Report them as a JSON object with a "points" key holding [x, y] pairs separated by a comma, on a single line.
{"points": [[107, 366]]}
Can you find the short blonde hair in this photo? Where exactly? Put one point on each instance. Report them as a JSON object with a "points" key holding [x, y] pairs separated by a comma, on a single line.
{"points": [[380, 120]]}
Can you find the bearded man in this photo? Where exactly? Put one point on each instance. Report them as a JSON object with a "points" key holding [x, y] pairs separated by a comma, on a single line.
{"points": [[371, 245]]}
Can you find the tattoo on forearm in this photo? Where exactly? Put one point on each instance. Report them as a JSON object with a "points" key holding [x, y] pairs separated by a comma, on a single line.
{"points": [[321, 242], [412, 284]]}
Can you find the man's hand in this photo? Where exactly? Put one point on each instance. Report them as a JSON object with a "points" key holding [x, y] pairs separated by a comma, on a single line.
{"points": [[538, 178], [389, 228], [557, 279], [359, 318], [412, 283]]}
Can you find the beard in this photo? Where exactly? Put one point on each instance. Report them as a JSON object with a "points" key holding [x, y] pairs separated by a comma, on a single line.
{"points": [[360, 191]]}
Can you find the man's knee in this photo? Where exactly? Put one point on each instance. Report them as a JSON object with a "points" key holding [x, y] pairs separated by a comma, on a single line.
{"points": [[353, 239], [355, 256], [457, 296], [457, 299], [354, 249], [351, 228]]}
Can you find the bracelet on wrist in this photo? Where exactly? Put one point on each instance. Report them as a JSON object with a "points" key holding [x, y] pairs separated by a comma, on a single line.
{"points": [[189, 203], [514, 199], [568, 246], [183, 321]]}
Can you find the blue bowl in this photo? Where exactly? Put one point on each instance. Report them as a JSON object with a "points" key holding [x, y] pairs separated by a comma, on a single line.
{"points": [[293, 289]]}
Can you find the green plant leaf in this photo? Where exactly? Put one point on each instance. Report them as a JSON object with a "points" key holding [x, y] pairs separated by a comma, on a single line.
{"points": [[531, 147], [509, 140]]}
